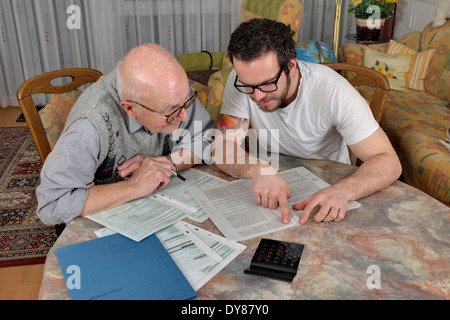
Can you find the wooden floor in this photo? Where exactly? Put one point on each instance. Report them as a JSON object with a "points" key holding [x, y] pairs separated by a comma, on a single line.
{"points": [[22, 282]]}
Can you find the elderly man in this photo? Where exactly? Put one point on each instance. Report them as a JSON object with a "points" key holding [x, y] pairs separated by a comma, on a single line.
{"points": [[114, 146], [317, 114]]}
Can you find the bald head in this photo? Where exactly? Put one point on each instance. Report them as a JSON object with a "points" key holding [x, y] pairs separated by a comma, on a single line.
{"points": [[150, 70]]}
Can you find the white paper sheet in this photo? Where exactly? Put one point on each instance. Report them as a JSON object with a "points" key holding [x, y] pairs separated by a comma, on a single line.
{"points": [[227, 249], [139, 218], [178, 191], [188, 251], [233, 210]]}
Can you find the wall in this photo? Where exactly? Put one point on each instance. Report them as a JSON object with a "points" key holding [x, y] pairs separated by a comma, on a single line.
{"points": [[413, 15]]}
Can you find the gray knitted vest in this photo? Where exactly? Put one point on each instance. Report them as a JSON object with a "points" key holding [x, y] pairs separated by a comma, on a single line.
{"points": [[100, 104]]}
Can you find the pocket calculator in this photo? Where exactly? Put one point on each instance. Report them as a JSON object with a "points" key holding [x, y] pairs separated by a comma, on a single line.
{"points": [[276, 259]]}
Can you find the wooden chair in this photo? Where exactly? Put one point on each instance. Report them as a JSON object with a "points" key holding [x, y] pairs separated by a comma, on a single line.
{"points": [[41, 84], [366, 76]]}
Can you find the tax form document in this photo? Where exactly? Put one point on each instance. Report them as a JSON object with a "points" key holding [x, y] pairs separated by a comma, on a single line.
{"points": [[138, 219], [177, 191], [234, 211], [226, 249]]}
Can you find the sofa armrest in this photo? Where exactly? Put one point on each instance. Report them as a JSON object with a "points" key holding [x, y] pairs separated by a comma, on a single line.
{"points": [[353, 53], [201, 60]]}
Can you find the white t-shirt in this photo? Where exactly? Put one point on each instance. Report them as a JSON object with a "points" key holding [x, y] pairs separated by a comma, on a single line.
{"points": [[327, 115]]}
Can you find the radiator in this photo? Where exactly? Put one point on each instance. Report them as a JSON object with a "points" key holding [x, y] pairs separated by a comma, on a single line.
{"points": [[413, 15]]}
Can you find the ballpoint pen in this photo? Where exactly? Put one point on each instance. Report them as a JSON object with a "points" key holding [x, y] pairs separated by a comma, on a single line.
{"points": [[179, 176]]}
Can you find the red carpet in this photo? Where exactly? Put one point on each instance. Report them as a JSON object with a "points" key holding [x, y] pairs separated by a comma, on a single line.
{"points": [[23, 238]]}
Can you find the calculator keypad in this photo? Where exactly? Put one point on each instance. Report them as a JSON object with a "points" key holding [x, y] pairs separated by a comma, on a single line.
{"points": [[274, 256]]}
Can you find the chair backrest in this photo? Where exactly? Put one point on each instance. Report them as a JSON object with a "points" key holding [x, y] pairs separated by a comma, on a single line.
{"points": [[41, 84], [289, 12], [366, 76]]}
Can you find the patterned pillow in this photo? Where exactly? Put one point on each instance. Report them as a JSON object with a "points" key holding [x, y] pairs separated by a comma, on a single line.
{"points": [[54, 114], [396, 68], [420, 67]]}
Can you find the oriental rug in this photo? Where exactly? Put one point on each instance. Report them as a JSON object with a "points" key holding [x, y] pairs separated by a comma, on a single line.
{"points": [[24, 239]]}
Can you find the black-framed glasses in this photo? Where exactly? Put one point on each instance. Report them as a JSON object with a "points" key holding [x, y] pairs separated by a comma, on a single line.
{"points": [[265, 87], [172, 116]]}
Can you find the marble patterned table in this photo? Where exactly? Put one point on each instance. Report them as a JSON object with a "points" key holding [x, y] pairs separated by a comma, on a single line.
{"points": [[400, 231]]}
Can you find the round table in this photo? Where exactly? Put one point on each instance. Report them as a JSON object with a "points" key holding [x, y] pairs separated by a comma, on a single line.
{"points": [[395, 246]]}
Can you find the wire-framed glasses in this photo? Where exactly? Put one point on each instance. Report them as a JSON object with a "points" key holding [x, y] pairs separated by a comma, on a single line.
{"points": [[172, 116]]}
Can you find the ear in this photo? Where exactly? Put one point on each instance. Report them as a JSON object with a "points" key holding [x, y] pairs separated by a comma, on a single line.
{"points": [[292, 66], [129, 109]]}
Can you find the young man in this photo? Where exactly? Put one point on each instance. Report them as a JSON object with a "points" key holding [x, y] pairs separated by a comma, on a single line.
{"points": [[113, 146], [317, 114]]}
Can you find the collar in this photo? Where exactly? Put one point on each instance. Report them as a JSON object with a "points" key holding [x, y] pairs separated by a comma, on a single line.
{"points": [[134, 125]]}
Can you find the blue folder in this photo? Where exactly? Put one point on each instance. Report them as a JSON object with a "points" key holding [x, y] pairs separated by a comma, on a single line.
{"points": [[116, 267]]}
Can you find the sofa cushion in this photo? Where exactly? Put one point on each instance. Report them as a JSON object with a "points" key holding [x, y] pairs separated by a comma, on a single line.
{"points": [[54, 114], [396, 68], [438, 80], [421, 63], [411, 40]]}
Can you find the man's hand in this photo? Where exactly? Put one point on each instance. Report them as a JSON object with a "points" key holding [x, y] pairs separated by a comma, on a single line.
{"points": [[142, 175], [146, 174], [332, 206], [271, 191]]}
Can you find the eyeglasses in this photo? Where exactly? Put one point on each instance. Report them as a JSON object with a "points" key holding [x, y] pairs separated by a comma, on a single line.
{"points": [[172, 116], [265, 87]]}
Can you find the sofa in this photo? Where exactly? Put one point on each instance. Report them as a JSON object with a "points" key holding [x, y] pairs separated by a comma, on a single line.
{"points": [[416, 119]]}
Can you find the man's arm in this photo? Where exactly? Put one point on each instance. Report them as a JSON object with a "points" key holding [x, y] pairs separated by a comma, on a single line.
{"points": [[142, 175], [67, 189], [380, 169], [149, 174], [268, 187]]}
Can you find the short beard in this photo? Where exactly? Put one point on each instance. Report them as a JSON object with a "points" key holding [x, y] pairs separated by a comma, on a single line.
{"points": [[279, 100]]}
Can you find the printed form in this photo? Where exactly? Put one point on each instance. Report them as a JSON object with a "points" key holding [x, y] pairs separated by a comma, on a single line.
{"points": [[142, 217], [178, 191], [234, 211]]}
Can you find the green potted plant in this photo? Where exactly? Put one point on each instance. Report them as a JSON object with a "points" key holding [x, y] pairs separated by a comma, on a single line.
{"points": [[370, 16]]}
